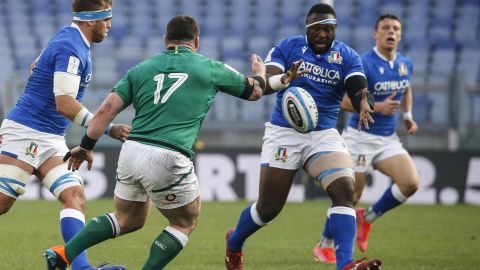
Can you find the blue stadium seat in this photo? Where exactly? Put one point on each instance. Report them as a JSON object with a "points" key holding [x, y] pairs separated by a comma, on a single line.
{"points": [[421, 106], [469, 66], [191, 7], [395, 8], [209, 47], [439, 107], [105, 71], [237, 63], [259, 45], [233, 47], [443, 61]]}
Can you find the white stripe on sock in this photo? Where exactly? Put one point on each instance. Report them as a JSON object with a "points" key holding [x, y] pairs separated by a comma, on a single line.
{"points": [[183, 238], [115, 223], [343, 210], [255, 216], [398, 194], [72, 213]]}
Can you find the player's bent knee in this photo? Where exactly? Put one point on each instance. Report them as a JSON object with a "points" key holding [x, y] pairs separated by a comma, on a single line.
{"points": [[60, 178], [12, 180], [330, 166]]}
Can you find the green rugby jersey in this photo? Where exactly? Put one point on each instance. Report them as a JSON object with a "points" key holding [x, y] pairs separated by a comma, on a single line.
{"points": [[172, 93]]}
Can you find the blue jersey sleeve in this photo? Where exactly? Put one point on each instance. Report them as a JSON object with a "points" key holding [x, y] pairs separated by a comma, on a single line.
{"points": [[67, 60], [354, 66]]}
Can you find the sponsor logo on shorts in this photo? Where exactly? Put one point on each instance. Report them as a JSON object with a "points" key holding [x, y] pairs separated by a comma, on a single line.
{"points": [[32, 150], [362, 160], [281, 154], [170, 199]]}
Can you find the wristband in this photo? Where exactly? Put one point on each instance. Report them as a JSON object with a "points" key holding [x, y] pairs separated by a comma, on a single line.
{"points": [[276, 84], [260, 81], [407, 115], [107, 130], [87, 143]]}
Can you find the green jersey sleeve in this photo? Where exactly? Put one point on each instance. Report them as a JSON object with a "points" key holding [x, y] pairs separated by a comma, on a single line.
{"points": [[227, 79], [124, 89]]}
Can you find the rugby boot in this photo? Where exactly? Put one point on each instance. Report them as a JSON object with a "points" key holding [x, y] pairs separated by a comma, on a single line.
{"points": [[324, 255], [233, 259], [363, 264], [363, 229]]}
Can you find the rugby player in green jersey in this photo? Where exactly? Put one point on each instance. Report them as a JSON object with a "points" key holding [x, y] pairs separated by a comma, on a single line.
{"points": [[171, 94]]}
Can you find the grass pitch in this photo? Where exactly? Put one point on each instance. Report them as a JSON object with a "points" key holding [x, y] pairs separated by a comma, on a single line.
{"points": [[411, 237]]}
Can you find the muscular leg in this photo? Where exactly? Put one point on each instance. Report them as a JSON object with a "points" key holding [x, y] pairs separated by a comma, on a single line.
{"points": [[173, 239], [275, 185], [359, 186], [406, 180], [7, 201], [334, 171], [72, 200]]}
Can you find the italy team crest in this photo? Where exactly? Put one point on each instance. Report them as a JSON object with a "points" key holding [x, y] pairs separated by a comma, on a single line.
{"points": [[402, 69], [335, 57], [281, 154], [32, 150]]}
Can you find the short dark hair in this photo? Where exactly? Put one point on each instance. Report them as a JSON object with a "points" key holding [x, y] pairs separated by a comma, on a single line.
{"points": [[386, 16], [182, 28], [322, 9], [90, 5]]}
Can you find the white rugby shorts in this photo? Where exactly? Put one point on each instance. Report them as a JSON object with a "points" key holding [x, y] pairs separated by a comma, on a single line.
{"points": [[286, 148], [29, 145], [166, 177], [367, 149]]}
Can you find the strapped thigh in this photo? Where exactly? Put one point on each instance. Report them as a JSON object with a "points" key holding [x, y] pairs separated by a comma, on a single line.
{"points": [[13, 180], [328, 166], [59, 178]]}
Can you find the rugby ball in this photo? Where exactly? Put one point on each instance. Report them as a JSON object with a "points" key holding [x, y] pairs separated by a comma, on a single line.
{"points": [[299, 109]]}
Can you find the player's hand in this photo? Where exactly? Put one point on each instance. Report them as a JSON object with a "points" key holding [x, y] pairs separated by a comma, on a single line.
{"points": [[365, 114], [77, 156], [293, 72], [411, 126], [258, 67], [119, 132], [389, 106]]}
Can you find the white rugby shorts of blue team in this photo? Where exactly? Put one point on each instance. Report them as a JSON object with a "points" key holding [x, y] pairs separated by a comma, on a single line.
{"points": [[367, 149], [288, 149], [29, 145]]}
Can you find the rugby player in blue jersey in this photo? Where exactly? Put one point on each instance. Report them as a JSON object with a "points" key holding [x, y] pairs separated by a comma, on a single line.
{"points": [[327, 69], [33, 131], [388, 74]]}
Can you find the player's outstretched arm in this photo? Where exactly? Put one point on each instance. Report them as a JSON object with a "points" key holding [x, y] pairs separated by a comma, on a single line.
{"points": [[386, 107], [257, 81], [278, 80]]}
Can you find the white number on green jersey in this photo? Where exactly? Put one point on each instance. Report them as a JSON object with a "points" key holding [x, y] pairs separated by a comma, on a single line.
{"points": [[181, 78]]}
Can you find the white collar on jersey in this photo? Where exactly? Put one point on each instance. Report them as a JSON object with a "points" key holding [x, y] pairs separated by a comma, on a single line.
{"points": [[390, 63], [74, 25]]}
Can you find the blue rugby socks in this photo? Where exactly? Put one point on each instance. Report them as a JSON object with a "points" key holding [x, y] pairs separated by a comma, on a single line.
{"points": [[71, 222], [248, 223], [343, 228], [391, 198]]}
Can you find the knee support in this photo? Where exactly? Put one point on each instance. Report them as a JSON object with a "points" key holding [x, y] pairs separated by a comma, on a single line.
{"points": [[327, 167], [60, 178], [13, 180]]}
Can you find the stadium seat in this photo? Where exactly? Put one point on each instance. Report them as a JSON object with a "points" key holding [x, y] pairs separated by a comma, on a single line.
{"points": [[233, 47], [209, 47]]}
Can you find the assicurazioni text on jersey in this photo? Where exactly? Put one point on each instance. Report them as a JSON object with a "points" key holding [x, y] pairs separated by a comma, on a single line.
{"points": [[325, 81]]}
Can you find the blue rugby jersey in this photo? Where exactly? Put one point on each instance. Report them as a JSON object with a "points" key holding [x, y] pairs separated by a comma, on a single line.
{"points": [[384, 77], [67, 51], [325, 81]]}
